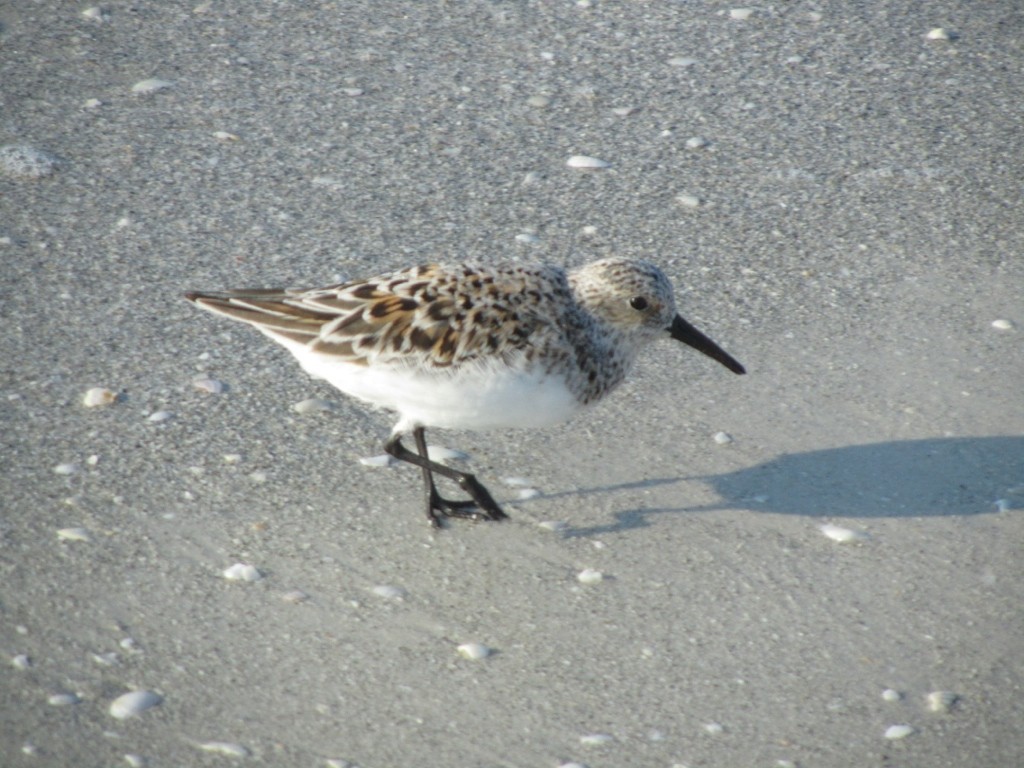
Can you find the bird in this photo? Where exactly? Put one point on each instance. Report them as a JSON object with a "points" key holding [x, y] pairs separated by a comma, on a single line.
{"points": [[472, 346]]}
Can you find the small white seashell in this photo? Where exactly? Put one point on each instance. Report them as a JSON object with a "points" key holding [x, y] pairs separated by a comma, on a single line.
{"points": [[98, 396], [209, 386], [135, 761], [722, 438], [596, 739], [474, 651], [553, 525], [389, 592], [696, 142], [939, 33], [225, 136], [94, 13], [625, 111], [25, 162], [682, 61], [258, 476], [891, 695], [353, 91], [28, 748], [108, 659], [527, 238], [242, 572], [741, 14], [527, 493], [69, 468], [92, 104], [232, 458], [313, 405], [687, 200], [62, 699], [21, 661], [898, 731], [73, 534], [539, 101], [224, 748], [439, 453], [384, 460], [842, 535], [295, 596], [134, 703], [129, 644], [152, 85], [1002, 325], [572, 765], [940, 701], [517, 482], [583, 162], [714, 728], [590, 576], [159, 417]]}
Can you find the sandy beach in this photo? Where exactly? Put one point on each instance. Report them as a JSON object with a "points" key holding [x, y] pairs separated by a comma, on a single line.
{"points": [[818, 564]]}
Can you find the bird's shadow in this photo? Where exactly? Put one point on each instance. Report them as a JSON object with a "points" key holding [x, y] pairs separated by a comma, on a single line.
{"points": [[911, 478]]}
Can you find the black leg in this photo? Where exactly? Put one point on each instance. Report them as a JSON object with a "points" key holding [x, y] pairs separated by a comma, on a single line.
{"points": [[479, 507]]}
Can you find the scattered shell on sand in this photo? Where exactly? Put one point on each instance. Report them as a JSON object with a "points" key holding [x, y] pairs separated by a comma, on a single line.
{"points": [[682, 61], [583, 162], [939, 33], [696, 142], [25, 162], [625, 111], [1002, 325], [596, 739], [242, 572], [136, 761], [159, 417], [313, 405], [440, 453], [714, 728], [151, 85], [688, 200], [21, 661], [224, 748], [68, 468], [891, 695], [474, 651], [209, 386], [898, 731], [722, 438], [527, 238], [553, 525], [589, 576], [524, 494], [539, 101], [63, 699], [389, 592], [741, 14], [940, 701], [225, 136], [94, 13], [295, 596], [73, 534], [384, 460], [842, 535], [98, 396], [133, 703]]}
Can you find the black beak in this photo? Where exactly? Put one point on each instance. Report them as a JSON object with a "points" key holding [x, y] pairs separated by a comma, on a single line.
{"points": [[686, 333]]}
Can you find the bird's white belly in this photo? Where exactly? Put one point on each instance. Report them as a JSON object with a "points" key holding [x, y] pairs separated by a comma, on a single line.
{"points": [[474, 397]]}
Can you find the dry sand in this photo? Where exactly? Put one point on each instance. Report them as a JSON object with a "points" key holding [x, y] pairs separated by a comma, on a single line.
{"points": [[858, 230]]}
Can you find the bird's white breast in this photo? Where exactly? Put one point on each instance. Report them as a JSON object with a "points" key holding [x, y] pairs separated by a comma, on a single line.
{"points": [[476, 397]]}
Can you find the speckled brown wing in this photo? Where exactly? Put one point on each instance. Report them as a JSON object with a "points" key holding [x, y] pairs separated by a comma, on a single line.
{"points": [[431, 315]]}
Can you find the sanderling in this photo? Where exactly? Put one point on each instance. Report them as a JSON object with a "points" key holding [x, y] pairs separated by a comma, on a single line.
{"points": [[470, 346]]}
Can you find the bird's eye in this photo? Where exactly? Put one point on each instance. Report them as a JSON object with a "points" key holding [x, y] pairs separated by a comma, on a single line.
{"points": [[639, 303]]}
